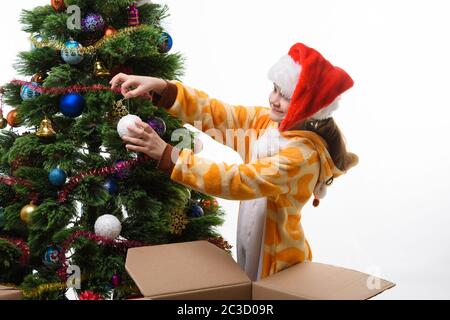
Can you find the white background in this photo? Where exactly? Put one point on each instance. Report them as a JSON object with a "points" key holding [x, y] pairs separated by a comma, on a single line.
{"points": [[390, 215]]}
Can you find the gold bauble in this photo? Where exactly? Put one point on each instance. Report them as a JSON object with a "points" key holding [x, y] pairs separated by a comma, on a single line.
{"points": [[46, 129], [26, 212]]}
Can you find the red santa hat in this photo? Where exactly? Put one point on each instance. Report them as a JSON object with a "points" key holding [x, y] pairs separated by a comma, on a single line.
{"points": [[312, 83]]}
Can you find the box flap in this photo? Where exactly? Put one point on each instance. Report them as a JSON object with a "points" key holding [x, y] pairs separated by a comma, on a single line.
{"points": [[182, 267], [316, 281]]}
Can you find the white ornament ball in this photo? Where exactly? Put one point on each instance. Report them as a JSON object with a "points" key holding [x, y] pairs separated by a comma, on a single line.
{"points": [[122, 126], [108, 226]]}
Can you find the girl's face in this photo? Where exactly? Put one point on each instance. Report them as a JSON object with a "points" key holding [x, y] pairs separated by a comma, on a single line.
{"points": [[279, 104]]}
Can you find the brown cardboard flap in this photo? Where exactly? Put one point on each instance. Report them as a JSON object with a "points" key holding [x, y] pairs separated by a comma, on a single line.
{"points": [[7, 293], [316, 281], [182, 267]]}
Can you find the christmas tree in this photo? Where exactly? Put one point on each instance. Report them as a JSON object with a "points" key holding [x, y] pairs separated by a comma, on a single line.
{"points": [[70, 193]]}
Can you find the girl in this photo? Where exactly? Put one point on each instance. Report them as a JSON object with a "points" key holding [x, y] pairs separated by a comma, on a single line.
{"points": [[298, 152]]}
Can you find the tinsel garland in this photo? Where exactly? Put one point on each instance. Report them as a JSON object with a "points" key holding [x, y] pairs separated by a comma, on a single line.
{"points": [[11, 181], [105, 171], [43, 288], [71, 89], [22, 245], [58, 45]]}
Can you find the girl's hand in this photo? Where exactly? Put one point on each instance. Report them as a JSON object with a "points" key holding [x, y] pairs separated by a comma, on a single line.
{"points": [[134, 86], [144, 139]]}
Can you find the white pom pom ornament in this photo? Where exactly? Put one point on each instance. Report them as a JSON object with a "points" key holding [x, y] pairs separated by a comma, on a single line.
{"points": [[122, 126], [108, 226]]}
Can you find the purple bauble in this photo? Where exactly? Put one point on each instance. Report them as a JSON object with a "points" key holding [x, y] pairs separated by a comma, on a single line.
{"points": [[92, 22], [158, 125], [116, 280], [121, 171]]}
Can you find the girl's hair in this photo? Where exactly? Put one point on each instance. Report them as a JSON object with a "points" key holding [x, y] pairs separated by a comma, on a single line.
{"points": [[330, 132]]}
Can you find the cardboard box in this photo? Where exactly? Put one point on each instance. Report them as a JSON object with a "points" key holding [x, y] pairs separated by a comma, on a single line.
{"points": [[201, 271], [7, 293]]}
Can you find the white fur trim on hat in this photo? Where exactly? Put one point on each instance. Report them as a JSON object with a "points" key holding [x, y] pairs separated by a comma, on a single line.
{"points": [[327, 112], [285, 74]]}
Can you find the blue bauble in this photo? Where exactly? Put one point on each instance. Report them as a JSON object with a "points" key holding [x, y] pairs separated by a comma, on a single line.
{"points": [[57, 177], [196, 211], [72, 105], [27, 93], [111, 186], [71, 53], [38, 38], [166, 42], [51, 256], [92, 22]]}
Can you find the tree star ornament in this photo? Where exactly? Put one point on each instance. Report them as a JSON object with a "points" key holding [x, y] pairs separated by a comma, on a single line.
{"points": [[108, 226], [122, 126]]}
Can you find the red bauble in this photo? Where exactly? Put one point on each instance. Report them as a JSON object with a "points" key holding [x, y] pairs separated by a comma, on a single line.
{"points": [[58, 5], [90, 295], [110, 31], [11, 118]]}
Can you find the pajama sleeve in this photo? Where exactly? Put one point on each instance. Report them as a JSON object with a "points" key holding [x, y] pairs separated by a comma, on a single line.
{"points": [[267, 177], [192, 105]]}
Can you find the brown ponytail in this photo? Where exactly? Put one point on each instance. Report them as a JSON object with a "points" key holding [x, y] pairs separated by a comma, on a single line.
{"points": [[330, 132]]}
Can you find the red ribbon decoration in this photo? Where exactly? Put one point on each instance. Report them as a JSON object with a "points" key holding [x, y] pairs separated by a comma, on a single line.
{"points": [[72, 89], [11, 181], [23, 246]]}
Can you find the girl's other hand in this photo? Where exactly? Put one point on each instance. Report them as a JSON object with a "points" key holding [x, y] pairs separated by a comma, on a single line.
{"points": [[144, 139]]}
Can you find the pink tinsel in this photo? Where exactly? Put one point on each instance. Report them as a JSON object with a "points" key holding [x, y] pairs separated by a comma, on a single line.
{"points": [[105, 171]]}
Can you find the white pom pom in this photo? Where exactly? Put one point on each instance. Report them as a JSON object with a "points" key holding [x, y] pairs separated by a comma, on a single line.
{"points": [[108, 226], [122, 126], [321, 191]]}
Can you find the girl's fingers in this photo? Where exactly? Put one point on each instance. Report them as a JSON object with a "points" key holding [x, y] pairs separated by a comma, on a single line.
{"points": [[145, 126], [118, 79], [126, 85], [135, 93], [135, 141], [135, 148], [139, 132]]}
